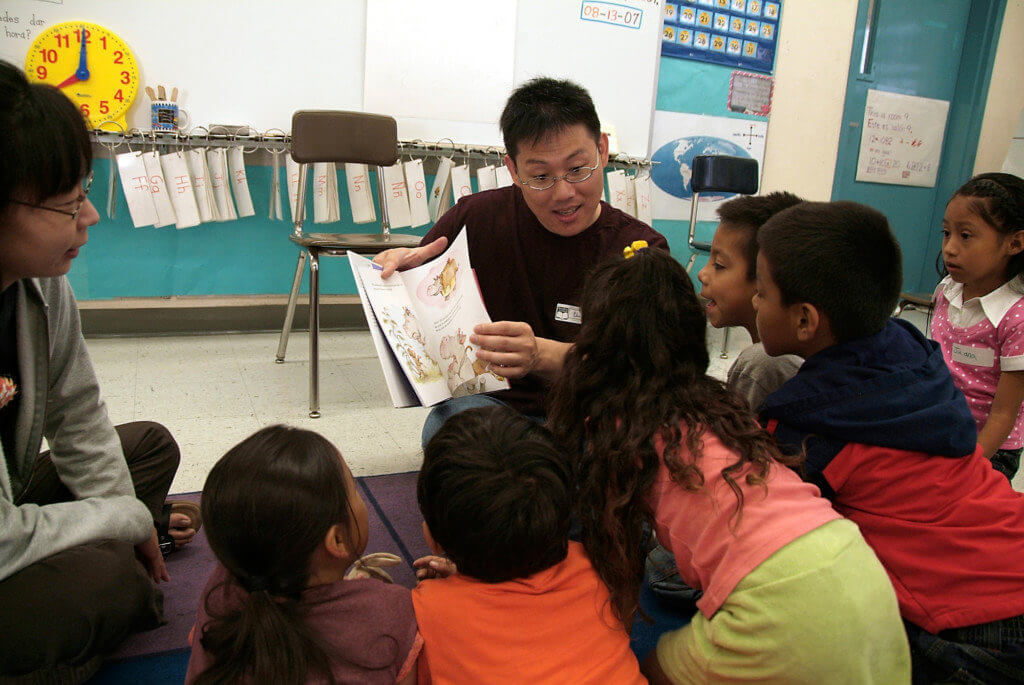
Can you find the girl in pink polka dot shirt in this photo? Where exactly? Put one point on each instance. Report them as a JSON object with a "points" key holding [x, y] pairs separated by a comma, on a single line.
{"points": [[979, 309]]}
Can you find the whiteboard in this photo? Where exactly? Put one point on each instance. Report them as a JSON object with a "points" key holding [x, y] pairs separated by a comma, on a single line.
{"points": [[254, 62], [245, 63], [426, 82]]}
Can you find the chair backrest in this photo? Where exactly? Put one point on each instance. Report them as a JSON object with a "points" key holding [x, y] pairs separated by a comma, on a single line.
{"points": [[341, 137], [336, 136], [719, 173], [724, 174]]}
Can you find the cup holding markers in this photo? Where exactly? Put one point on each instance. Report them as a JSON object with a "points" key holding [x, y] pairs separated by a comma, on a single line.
{"points": [[165, 114]]}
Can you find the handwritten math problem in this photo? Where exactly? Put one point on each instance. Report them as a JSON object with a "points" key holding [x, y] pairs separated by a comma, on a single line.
{"points": [[901, 139]]}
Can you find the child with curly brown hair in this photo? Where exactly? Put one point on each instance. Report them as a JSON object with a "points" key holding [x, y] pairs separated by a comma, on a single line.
{"points": [[791, 591]]}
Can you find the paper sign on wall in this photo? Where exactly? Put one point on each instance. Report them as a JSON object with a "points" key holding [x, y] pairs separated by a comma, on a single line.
{"points": [[135, 182], [357, 176], [396, 197], [485, 178], [460, 182], [415, 183], [179, 187], [502, 176], [901, 139], [158, 188]]}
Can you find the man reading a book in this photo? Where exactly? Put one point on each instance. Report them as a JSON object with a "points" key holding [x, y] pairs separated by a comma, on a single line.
{"points": [[532, 243]]}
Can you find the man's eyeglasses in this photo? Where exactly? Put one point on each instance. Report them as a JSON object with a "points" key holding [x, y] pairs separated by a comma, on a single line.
{"points": [[544, 181], [86, 184]]}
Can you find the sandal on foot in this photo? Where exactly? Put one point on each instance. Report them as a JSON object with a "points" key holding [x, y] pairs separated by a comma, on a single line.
{"points": [[195, 520]]}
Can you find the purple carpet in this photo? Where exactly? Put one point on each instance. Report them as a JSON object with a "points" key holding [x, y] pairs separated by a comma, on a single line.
{"points": [[395, 526]]}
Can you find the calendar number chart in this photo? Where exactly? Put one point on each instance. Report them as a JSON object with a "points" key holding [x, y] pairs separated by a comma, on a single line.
{"points": [[734, 33]]}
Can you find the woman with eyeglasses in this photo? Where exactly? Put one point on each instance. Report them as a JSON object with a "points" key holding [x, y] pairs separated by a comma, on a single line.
{"points": [[79, 550]]}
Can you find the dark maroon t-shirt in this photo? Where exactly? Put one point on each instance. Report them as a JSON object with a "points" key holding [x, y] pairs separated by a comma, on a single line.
{"points": [[525, 271]]}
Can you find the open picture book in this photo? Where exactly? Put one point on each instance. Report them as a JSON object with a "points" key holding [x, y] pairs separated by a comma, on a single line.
{"points": [[420, 321]]}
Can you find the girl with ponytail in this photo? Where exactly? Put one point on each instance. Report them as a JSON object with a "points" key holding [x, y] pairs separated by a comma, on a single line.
{"points": [[285, 521]]}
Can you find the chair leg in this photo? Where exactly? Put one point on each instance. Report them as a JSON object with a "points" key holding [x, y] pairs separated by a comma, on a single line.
{"points": [[724, 354], [314, 334], [689, 264], [289, 314]]}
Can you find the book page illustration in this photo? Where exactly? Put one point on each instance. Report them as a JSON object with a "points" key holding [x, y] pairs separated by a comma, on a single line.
{"points": [[448, 301], [401, 326], [439, 285], [466, 375], [422, 319]]}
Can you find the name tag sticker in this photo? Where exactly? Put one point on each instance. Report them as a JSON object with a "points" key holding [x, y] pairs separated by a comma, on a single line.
{"points": [[974, 356], [568, 313]]}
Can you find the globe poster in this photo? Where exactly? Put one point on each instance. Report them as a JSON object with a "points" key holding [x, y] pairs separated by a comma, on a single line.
{"points": [[677, 138]]}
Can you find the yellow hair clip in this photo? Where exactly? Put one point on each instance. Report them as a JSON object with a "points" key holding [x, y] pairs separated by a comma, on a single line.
{"points": [[634, 247]]}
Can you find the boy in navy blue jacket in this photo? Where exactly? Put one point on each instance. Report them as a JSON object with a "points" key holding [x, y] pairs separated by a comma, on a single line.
{"points": [[890, 440]]}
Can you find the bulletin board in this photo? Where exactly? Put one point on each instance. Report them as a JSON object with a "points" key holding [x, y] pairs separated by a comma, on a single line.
{"points": [[735, 33], [255, 63]]}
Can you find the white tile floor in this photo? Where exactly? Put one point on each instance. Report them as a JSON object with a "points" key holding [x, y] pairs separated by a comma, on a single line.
{"points": [[213, 390]]}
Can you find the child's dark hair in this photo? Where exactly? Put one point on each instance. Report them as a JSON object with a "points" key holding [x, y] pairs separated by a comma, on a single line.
{"points": [[495, 492], [45, 147], [543, 106], [637, 371], [747, 213], [840, 257], [998, 199], [267, 505]]}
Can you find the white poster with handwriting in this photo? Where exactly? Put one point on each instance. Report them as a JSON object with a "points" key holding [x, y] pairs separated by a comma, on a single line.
{"points": [[901, 141]]}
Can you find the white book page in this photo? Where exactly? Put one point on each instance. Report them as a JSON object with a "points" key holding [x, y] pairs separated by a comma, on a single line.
{"points": [[401, 391], [393, 310]]}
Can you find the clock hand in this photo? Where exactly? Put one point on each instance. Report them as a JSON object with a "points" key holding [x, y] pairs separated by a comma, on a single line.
{"points": [[83, 68], [70, 80]]}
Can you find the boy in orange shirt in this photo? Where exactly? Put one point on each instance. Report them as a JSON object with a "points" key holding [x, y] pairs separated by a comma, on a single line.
{"points": [[515, 601]]}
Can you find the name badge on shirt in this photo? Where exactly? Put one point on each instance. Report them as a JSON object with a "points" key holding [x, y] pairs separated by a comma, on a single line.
{"points": [[974, 356], [568, 313]]}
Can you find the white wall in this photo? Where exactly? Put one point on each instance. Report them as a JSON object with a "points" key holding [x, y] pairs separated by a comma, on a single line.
{"points": [[810, 89], [811, 67], [1005, 92]]}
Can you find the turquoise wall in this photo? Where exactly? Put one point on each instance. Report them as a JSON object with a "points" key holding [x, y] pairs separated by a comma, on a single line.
{"points": [[698, 88], [253, 256]]}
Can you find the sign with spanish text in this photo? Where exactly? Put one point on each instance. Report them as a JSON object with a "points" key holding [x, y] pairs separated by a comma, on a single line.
{"points": [[901, 139]]}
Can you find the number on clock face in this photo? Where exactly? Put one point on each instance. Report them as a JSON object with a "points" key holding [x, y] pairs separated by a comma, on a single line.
{"points": [[88, 63]]}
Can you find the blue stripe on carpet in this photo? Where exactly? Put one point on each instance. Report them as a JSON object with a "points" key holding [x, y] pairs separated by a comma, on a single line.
{"points": [[161, 669]]}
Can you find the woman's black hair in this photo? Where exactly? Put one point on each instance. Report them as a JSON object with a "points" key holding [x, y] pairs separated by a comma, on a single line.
{"points": [[998, 199], [267, 505], [45, 148], [638, 372]]}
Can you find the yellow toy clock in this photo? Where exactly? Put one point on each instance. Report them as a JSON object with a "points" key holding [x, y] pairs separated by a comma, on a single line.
{"points": [[91, 65]]}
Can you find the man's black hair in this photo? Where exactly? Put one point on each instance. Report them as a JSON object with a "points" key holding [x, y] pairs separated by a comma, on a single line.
{"points": [[543, 106]]}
